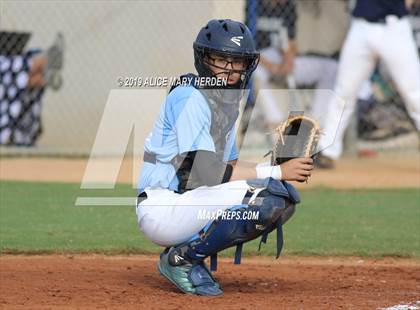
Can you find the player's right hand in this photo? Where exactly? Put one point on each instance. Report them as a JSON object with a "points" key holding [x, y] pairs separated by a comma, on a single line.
{"points": [[297, 169]]}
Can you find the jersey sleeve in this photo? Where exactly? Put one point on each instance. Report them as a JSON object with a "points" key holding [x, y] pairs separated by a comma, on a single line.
{"points": [[192, 118], [234, 152], [231, 150]]}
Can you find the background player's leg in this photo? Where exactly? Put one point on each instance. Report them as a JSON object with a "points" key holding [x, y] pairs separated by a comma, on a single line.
{"points": [[321, 72], [270, 106], [357, 60], [400, 55]]}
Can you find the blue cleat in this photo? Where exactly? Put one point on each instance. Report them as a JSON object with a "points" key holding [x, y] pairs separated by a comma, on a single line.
{"points": [[191, 278]]}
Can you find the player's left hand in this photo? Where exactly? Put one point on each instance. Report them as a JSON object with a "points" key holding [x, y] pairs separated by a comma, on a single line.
{"points": [[297, 169]]}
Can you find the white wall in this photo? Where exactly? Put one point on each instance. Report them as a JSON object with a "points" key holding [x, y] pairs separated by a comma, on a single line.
{"points": [[110, 39], [105, 40]]}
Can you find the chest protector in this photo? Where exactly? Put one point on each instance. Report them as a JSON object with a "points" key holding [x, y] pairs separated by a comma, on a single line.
{"points": [[224, 107]]}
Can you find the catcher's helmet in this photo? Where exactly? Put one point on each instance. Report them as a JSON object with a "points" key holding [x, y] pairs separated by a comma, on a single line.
{"points": [[226, 38]]}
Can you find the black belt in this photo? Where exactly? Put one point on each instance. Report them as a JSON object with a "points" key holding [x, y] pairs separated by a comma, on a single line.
{"points": [[381, 20], [376, 21], [149, 157], [152, 158], [141, 197]]}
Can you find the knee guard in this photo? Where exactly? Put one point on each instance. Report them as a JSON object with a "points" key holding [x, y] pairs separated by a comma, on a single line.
{"points": [[275, 204]]}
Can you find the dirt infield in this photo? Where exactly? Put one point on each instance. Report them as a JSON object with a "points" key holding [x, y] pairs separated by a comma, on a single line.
{"points": [[384, 171], [132, 282]]}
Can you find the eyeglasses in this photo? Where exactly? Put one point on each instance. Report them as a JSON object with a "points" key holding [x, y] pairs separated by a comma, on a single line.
{"points": [[236, 63]]}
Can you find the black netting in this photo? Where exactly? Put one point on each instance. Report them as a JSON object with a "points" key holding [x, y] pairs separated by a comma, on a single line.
{"points": [[20, 105]]}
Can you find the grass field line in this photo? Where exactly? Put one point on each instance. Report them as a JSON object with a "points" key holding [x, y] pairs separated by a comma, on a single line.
{"points": [[42, 218]]}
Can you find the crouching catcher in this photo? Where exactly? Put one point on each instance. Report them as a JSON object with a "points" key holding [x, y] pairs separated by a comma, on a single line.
{"points": [[191, 165]]}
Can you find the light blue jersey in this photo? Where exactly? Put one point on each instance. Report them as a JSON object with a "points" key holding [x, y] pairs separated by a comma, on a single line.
{"points": [[183, 125]]}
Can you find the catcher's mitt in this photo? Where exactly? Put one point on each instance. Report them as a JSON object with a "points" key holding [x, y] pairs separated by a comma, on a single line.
{"points": [[296, 137]]}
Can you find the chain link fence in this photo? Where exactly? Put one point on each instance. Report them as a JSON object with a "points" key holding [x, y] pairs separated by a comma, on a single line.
{"points": [[317, 29], [108, 40], [105, 40]]}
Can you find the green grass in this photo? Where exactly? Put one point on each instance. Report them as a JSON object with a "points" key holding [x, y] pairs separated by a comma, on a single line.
{"points": [[42, 218]]}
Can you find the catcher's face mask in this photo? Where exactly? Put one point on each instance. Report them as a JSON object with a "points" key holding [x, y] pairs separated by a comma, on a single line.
{"points": [[230, 69], [226, 48]]}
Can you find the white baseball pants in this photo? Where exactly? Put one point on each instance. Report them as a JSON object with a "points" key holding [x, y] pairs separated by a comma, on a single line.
{"points": [[366, 42], [168, 218], [307, 70]]}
